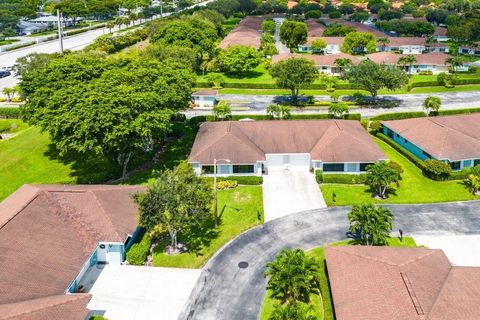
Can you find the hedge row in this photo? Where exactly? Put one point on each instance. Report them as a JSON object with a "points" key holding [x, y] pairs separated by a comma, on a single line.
{"points": [[138, 252], [456, 175], [199, 119], [11, 113], [419, 114], [23, 45], [407, 154], [344, 178], [242, 180]]}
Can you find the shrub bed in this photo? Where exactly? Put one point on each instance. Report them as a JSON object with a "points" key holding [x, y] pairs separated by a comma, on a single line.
{"points": [[319, 176], [344, 178], [437, 170], [241, 180], [138, 252], [407, 154], [419, 114], [11, 113]]}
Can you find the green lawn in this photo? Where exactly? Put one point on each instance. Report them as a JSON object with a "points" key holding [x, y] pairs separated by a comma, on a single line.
{"points": [[414, 187], [318, 253], [239, 209], [29, 157], [9, 41]]}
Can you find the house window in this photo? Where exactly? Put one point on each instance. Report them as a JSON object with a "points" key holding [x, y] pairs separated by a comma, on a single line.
{"points": [[390, 133], [333, 167], [223, 169], [476, 162], [363, 166], [405, 140], [243, 168], [455, 165], [207, 169], [427, 154]]}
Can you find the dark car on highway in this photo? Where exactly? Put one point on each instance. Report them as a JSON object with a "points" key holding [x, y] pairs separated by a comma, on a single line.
{"points": [[4, 73]]}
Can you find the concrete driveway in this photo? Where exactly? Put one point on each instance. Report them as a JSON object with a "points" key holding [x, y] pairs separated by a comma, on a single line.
{"points": [[230, 290], [290, 191], [142, 293], [460, 250]]}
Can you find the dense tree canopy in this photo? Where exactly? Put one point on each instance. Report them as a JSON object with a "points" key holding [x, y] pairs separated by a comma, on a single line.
{"points": [[294, 74], [11, 11], [373, 77], [239, 59], [293, 33], [359, 43], [118, 108], [197, 34]]}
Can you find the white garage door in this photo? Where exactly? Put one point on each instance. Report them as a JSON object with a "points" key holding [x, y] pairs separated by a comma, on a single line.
{"points": [[291, 159]]}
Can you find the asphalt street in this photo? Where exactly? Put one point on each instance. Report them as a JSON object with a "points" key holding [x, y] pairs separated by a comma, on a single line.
{"points": [[232, 286]]}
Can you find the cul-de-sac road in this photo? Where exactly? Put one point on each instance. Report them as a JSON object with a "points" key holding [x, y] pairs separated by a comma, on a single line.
{"points": [[228, 289]]}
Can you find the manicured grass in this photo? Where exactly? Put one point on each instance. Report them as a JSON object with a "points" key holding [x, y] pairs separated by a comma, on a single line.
{"points": [[29, 157], [12, 125], [239, 209], [414, 187], [9, 41], [319, 255]]}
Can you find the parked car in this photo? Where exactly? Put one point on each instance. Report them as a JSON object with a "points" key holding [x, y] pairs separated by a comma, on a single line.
{"points": [[4, 73]]}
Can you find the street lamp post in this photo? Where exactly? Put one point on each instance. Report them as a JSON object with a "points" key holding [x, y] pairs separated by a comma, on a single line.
{"points": [[215, 210]]}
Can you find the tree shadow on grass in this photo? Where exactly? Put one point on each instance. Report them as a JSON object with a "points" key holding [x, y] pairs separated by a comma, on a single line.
{"points": [[245, 75], [85, 168]]}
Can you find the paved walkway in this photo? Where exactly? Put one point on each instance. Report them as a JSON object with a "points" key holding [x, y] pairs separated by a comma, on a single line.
{"points": [[460, 250], [226, 290], [142, 293], [289, 191]]}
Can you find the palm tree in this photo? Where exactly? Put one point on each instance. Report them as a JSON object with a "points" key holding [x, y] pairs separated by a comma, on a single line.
{"points": [[454, 63], [292, 310], [380, 177], [373, 224], [473, 180], [407, 60], [430, 40], [383, 41], [293, 276], [110, 26], [338, 110], [432, 104]]}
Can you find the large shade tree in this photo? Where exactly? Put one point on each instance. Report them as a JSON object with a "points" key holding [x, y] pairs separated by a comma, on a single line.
{"points": [[239, 59], [294, 74], [372, 224], [293, 276], [293, 33], [373, 77], [116, 108], [176, 203]]}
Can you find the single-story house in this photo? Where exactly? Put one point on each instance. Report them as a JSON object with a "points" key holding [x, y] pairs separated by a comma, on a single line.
{"points": [[53, 21], [246, 33], [452, 139], [53, 235], [434, 62], [394, 283], [410, 45], [205, 98], [440, 34], [334, 44], [27, 28], [252, 147], [324, 63], [473, 50]]}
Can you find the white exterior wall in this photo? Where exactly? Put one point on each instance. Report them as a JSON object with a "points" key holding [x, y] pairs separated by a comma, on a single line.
{"points": [[332, 49], [412, 49], [288, 159]]}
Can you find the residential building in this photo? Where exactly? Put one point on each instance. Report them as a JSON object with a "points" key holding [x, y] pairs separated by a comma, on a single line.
{"points": [[395, 283], [334, 45], [324, 63], [440, 34], [28, 28], [252, 147], [205, 98], [473, 50], [452, 139], [52, 237], [410, 45], [247, 33], [434, 62]]}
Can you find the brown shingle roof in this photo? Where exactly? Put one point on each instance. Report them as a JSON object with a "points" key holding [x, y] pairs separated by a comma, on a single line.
{"points": [[205, 92], [247, 142], [247, 33], [328, 40], [48, 231], [447, 137], [379, 283], [405, 41], [433, 58], [318, 59], [315, 29]]}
